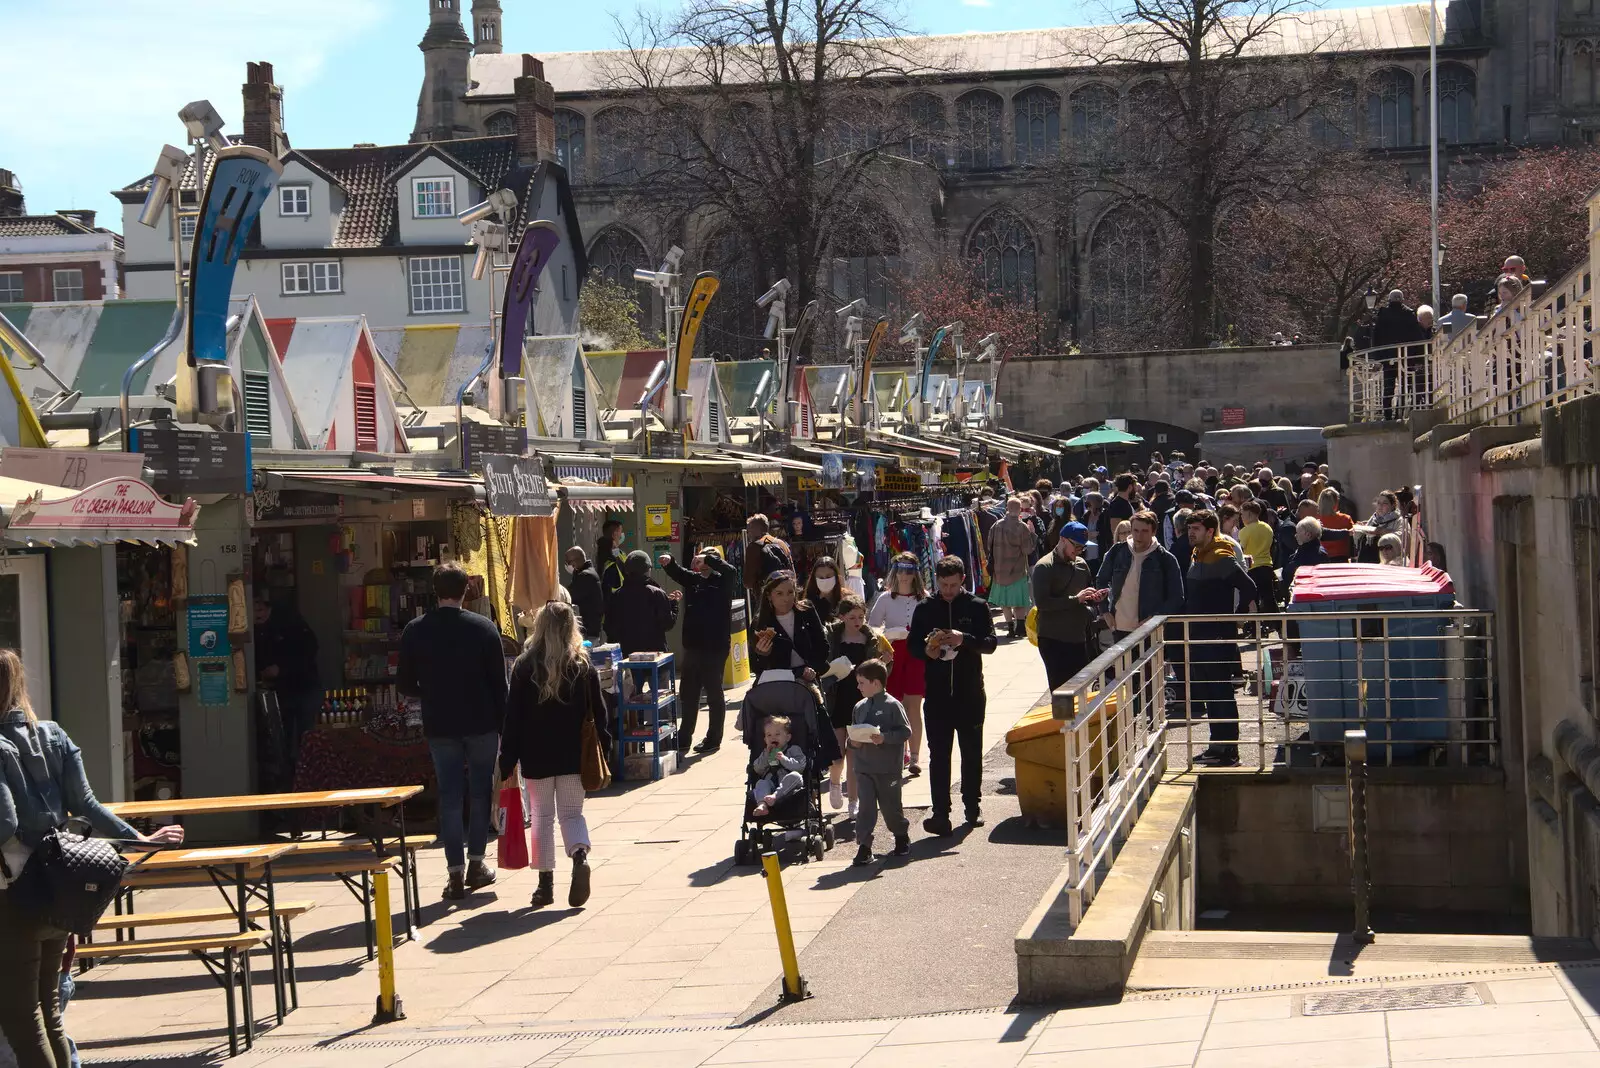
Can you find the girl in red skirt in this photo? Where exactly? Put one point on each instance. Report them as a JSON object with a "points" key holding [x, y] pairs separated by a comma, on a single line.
{"points": [[891, 617]]}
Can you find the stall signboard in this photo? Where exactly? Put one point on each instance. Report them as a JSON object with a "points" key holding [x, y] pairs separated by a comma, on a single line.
{"points": [[182, 462], [275, 505], [899, 482], [121, 503], [515, 485], [485, 439], [807, 484], [657, 522], [69, 468], [208, 627], [662, 445]]}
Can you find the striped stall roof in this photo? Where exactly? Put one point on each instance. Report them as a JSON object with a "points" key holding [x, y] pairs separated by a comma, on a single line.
{"points": [[434, 360]]}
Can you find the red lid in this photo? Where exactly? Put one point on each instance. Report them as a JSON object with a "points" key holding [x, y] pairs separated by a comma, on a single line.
{"points": [[1353, 582]]}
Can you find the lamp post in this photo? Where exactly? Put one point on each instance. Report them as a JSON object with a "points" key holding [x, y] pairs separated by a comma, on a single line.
{"points": [[1433, 142]]}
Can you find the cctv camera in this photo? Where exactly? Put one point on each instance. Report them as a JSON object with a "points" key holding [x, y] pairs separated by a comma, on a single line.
{"points": [[167, 173], [855, 307], [779, 290], [203, 123], [501, 202]]}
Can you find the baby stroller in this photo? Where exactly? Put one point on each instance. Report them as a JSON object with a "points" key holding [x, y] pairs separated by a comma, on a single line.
{"points": [[801, 811]]}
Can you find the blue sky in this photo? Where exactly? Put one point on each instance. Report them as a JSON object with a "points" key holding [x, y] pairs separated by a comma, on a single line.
{"points": [[94, 86]]}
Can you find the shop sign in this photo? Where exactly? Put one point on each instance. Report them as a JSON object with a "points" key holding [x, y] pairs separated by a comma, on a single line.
{"points": [[657, 522], [807, 484], [661, 445], [1233, 417], [832, 470], [899, 482], [69, 468], [208, 627], [212, 682], [483, 439], [296, 504], [515, 485], [182, 462], [124, 503]]}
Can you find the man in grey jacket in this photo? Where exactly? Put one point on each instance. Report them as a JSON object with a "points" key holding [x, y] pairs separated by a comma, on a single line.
{"points": [[878, 764], [1063, 590]]}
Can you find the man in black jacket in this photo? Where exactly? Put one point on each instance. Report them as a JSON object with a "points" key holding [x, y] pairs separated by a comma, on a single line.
{"points": [[1394, 324], [286, 663], [1217, 586], [588, 596], [951, 631], [451, 660], [708, 585], [1118, 507], [639, 614], [608, 556]]}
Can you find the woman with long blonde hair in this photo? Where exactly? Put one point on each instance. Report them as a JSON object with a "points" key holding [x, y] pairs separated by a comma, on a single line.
{"points": [[553, 690], [42, 784], [903, 590]]}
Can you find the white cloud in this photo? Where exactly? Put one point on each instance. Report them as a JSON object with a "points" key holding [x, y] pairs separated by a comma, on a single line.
{"points": [[95, 87]]}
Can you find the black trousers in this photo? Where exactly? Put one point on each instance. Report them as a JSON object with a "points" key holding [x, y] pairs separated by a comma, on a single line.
{"points": [[1211, 698], [1266, 588], [30, 1009], [1062, 660], [950, 723], [701, 670]]}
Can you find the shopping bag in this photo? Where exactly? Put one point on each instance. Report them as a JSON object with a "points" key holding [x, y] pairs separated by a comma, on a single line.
{"points": [[513, 847], [1032, 625]]}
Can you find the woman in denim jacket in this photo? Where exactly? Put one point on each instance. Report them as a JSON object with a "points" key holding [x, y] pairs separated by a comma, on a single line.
{"points": [[42, 784]]}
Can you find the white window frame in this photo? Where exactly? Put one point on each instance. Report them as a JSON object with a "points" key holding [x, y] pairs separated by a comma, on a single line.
{"points": [[21, 290], [56, 287], [327, 276], [436, 285], [294, 201], [187, 225], [437, 194], [294, 279]]}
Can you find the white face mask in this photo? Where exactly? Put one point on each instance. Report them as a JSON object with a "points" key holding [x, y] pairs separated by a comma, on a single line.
{"points": [[826, 585], [569, 568]]}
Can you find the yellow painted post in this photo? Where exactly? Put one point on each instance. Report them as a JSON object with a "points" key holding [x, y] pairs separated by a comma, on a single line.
{"points": [[388, 1004], [794, 987]]}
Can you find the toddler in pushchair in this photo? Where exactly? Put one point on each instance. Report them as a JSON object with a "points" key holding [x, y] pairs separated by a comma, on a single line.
{"points": [[792, 777]]}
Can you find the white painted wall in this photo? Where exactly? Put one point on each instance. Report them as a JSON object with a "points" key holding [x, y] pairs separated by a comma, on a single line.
{"points": [[374, 286], [433, 231], [302, 231]]}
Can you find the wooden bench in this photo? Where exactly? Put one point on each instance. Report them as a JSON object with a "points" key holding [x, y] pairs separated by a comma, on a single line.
{"points": [[226, 957], [309, 847], [354, 870]]}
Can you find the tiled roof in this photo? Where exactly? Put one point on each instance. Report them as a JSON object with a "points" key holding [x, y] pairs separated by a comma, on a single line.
{"points": [[1367, 29], [191, 172], [41, 226]]}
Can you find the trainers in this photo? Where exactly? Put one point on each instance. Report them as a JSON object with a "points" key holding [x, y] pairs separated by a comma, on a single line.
{"points": [[1219, 758], [479, 875], [835, 796], [974, 817], [902, 844], [863, 856], [579, 892], [855, 807], [455, 888], [939, 825]]}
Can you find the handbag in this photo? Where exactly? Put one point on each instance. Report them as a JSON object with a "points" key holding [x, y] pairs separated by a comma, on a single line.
{"points": [[70, 881], [595, 772]]}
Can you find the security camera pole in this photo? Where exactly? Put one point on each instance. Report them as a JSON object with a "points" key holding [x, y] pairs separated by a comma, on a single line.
{"points": [[989, 349], [665, 281], [774, 301], [493, 241], [911, 334]]}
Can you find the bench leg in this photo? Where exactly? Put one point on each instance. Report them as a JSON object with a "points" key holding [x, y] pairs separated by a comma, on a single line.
{"points": [[288, 949], [248, 999], [408, 876], [279, 996], [366, 908], [229, 971]]}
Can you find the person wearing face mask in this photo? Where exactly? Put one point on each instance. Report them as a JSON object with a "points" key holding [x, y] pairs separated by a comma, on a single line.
{"points": [[709, 583], [823, 589], [608, 557], [588, 596]]}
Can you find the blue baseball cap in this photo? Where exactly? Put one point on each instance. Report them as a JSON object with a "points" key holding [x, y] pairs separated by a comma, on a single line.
{"points": [[1077, 533]]}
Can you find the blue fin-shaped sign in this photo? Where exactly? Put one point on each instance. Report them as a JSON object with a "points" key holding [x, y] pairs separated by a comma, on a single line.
{"points": [[241, 180]]}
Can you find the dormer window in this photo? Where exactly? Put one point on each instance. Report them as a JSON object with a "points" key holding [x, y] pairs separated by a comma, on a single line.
{"points": [[433, 198], [294, 200]]}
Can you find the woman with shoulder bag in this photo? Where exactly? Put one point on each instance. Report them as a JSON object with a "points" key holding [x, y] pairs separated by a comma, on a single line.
{"points": [[42, 785], [554, 691]]}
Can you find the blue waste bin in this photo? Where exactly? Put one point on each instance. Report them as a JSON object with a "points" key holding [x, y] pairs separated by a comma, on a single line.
{"points": [[1407, 693]]}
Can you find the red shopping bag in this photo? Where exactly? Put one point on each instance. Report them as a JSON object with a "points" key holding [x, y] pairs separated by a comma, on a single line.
{"points": [[513, 848]]}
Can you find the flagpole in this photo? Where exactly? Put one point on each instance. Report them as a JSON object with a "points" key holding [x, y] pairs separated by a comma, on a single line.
{"points": [[1433, 143]]}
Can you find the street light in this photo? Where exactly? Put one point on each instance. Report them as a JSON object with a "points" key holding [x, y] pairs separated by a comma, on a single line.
{"points": [[1372, 298]]}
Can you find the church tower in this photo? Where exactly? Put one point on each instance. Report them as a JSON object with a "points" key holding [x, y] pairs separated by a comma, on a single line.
{"points": [[486, 34], [446, 52]]}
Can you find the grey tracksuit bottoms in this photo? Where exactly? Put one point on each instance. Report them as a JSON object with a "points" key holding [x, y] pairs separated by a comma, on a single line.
{"points": [[875, 791]]}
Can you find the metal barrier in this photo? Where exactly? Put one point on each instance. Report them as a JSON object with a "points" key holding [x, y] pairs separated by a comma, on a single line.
{"points": [[1390, 382], [1114, 717], [1282, 688]]}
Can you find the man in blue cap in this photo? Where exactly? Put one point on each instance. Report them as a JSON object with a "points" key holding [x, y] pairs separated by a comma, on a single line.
{"points": [[1063, 591]]}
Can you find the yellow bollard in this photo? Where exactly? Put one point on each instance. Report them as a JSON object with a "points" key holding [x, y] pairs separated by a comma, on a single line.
{"points": [[388, 1004], [794, 987]]}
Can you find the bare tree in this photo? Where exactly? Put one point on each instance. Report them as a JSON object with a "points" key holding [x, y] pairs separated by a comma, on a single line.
{"points": [[1229, 103], [769, 122]]}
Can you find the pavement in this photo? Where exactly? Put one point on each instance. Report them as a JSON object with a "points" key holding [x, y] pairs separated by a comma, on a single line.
{"points": [[673, 964]]}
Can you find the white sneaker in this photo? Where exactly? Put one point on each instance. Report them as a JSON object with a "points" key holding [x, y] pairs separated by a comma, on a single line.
{"points": [[854, 807], [835, 796]]}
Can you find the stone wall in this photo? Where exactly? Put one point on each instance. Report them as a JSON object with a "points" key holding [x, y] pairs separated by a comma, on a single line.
{"points": [[1184, 388], [1368, 457]]}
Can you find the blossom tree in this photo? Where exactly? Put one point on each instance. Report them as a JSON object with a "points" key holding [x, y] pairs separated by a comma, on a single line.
{"points": [[953, 291]]}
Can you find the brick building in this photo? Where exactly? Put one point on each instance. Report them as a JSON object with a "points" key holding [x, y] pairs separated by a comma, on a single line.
{"points": [[57, 257]]}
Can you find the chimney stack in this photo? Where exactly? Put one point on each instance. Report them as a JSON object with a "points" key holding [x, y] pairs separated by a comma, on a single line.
{"points": [[263, 110], [83, 216], [10, 195], [536, 114]]}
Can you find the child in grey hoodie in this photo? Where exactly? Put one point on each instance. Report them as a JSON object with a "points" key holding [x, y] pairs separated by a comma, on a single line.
{"points": [[879, 767], [779, 764]]}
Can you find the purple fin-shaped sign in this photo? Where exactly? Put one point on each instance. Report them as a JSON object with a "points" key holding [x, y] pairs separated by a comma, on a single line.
{"points": [[539, 242]]}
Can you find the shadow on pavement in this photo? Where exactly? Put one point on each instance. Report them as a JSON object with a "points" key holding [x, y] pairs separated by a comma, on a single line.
{"points": [[477, 931]]}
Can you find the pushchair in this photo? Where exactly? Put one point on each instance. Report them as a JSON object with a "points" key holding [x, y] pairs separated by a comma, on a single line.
{"points": [[801, 811]]}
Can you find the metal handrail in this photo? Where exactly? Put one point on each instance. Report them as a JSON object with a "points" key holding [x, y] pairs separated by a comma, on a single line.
{"points": [[1389, 382]]}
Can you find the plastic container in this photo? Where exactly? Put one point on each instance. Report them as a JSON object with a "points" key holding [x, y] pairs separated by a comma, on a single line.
{"points": [[1404, 689], [1039, 749]]}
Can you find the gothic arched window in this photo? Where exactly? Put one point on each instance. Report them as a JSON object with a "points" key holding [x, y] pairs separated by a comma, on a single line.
{"points": [[571, 151], [980, 136], [1458, 97], [1124, 270], [619, 155], [921, 119], [1389, 109], [734, 324], [866, 260], [1331, 123], [1006, 257], [500, 124], [1038, 124], [1094, 114], [614, 256]]}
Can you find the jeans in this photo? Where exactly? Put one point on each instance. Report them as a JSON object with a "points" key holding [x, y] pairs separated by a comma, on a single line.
{"points": [[946, 727], [30, 989], [465, 767], [1211, 697], [557, 797], [1062, 660], [701, 669]]}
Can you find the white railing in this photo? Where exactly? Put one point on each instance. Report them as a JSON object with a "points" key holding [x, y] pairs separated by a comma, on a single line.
{"points": [[1389, 382], [1532, 354]]}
